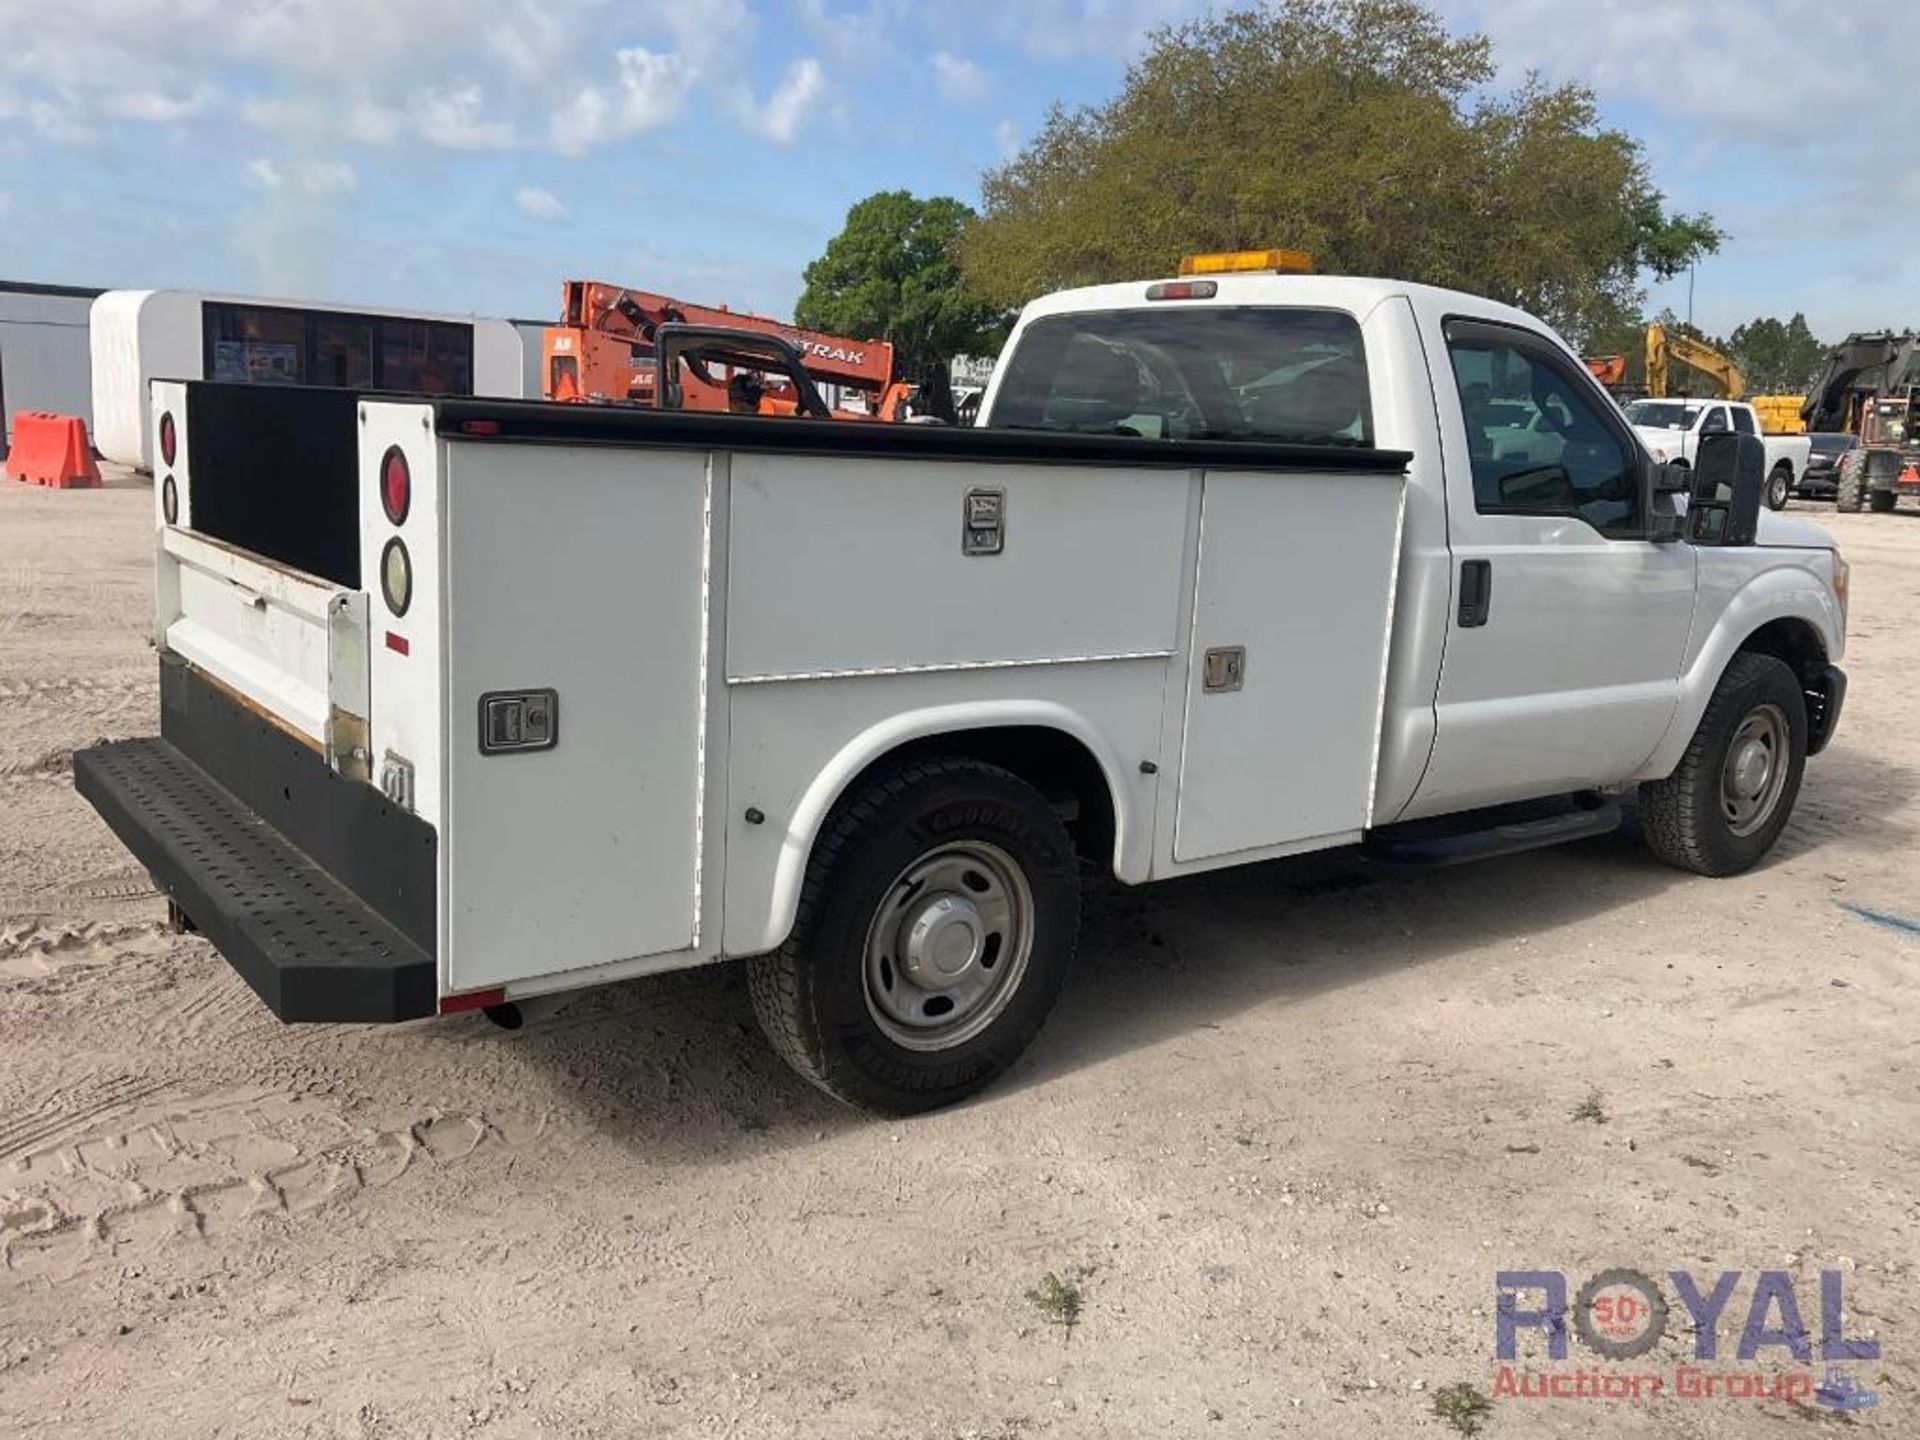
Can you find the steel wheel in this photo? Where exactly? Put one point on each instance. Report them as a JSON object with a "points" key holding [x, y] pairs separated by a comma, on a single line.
{"points": [[1779, 488], [948, 946], [1755, 770]]}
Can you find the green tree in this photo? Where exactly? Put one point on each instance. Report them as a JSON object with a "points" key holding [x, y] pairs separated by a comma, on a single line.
{"points": [[892, 273], [1360, 130], [1779, 358]]}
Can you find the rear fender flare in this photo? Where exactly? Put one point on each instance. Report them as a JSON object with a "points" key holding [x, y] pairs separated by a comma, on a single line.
{"points": [[1132, 833]]}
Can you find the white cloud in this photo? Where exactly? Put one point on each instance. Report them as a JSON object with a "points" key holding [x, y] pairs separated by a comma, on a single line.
{"points": [[1066, 28], [533, 44], [52, 122], [1006, 138], [463, 75], [157, 108], [328, 177], [855, 39], [538, 204], [1723, 64], [317, 178], [456, 120], [960, 80], [648, 93], [791, 104]]}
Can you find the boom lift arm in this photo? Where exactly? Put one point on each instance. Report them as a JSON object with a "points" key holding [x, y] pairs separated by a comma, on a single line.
{"points": [[603, 349]]}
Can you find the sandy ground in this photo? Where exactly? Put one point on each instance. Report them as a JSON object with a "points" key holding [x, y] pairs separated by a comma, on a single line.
{"points": [[1287, 1124]]}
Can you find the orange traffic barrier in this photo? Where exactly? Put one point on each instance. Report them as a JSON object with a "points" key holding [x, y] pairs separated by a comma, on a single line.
{"points": [[51, 450], [1911, 473]]}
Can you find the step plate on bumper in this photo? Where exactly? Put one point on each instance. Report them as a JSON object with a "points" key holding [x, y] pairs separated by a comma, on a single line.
{"points": [[305, 943]]}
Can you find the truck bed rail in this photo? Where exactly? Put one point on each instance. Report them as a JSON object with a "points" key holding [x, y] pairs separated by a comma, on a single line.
{"points": [[535, 422]]}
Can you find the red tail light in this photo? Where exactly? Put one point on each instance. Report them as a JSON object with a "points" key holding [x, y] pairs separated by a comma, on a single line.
{"points": [[396, 485], [169, 441]]}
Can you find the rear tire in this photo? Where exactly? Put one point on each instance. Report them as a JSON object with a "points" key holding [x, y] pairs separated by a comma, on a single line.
{"points": [[1850, 482], [1881, 501], [1733, 791], [1779, 487], [937, 921]]}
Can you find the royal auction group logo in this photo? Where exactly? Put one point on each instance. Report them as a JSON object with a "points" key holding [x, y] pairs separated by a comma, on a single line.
{"points": [[1620, 1315]]}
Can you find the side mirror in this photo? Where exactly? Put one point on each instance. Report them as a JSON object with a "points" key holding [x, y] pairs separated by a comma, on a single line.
{"points": [[1659, 483], [1724, 508]]}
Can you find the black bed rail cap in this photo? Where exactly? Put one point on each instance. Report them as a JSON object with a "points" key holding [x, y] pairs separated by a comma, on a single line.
{"points": [[554, 423]]}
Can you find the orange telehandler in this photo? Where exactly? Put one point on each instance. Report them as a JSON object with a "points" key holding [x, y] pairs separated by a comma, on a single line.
{"points": [[604, 350]]}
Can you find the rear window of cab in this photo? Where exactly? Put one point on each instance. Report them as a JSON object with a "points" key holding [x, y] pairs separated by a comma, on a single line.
{"points": [[1260, 373]]}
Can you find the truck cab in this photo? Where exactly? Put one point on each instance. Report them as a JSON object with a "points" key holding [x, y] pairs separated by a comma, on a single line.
{"points": [[1548, 634], [467, 702]]}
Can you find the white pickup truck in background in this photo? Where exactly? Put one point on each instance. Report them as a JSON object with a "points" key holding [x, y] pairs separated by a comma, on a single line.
{"points": [[1672, 431], [466, 701]]}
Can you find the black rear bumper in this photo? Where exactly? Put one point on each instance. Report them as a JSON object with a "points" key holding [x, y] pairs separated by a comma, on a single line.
{"points": [[306, 944], [318, 890]]}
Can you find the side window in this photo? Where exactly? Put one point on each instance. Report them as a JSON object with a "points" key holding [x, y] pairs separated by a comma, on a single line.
{"points": [[254, 344], [1716, 421], [1537, 441], [1743, 420]]}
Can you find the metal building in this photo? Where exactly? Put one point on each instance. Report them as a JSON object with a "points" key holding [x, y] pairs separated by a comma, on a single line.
{"points": [[44, 362]]}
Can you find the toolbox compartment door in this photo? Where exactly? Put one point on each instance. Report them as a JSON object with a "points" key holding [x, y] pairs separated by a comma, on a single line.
{"points": [[580, 571], [1294, 605]]}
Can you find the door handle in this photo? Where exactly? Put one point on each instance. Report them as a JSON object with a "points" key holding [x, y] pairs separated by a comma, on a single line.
{"points": [[1476, 592]]}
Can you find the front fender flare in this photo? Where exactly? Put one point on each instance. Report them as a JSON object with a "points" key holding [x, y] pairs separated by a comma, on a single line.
{"points": [[1789, 592]]}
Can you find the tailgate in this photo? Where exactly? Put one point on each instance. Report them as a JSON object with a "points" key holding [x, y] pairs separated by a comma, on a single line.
{"points": [[260, 629], [254, 808], [259, 583]]}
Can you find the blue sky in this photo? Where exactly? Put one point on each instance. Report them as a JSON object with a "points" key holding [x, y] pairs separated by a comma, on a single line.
{"points": [[467, 155]]}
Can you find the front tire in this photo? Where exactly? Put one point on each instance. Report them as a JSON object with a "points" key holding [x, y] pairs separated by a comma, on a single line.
{"points": [[1881, 501], [1732, 793], [1779, 487], [1850, 482], [937, 921]]}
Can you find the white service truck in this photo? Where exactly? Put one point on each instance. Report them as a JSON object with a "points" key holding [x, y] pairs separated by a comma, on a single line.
{"points": [[466, 701], [1673, 429]]}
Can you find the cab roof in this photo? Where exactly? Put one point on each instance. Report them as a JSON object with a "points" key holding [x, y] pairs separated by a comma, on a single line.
{"points": [[1353, 293]]}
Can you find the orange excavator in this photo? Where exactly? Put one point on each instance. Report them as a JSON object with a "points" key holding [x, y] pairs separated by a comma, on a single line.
{"points": [[1609, 370], [604, 350]]}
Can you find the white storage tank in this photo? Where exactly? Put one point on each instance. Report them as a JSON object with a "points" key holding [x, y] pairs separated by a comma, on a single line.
{"points": [[139, 336]]}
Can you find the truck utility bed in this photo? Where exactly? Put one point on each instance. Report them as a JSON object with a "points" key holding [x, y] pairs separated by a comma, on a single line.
{"points": [[719, 622]]}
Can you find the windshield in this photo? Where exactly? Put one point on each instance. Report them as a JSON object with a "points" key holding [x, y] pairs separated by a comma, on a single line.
{"points": [[1893, 424], [1661, 414], [1195, 373]]}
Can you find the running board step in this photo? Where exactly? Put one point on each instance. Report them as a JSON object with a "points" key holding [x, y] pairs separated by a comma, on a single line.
{"points": [[1500, 832]]}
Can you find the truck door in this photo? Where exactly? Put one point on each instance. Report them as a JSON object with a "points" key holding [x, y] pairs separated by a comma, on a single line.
{"points": [[1568, 628], [1712, 422]]}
